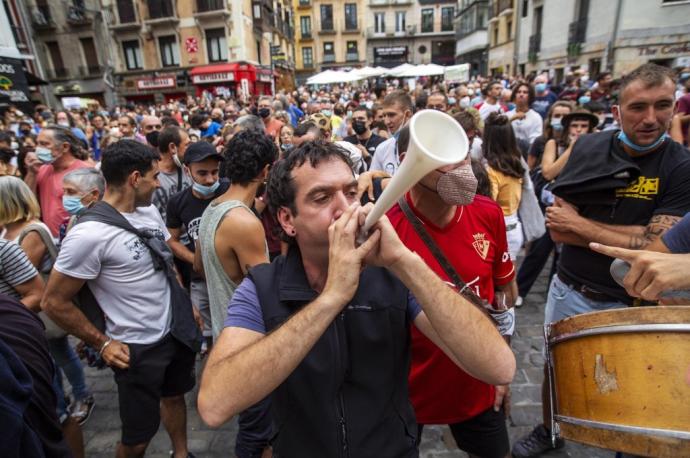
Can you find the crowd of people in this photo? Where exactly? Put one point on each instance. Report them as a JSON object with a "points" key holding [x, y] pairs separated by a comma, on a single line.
{"points": [[225, 233]]}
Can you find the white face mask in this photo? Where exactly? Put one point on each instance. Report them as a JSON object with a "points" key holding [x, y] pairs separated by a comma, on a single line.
{"points": [[63, 123], [465, 102]]}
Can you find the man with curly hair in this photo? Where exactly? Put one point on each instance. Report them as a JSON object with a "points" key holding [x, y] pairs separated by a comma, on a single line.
{"points": [[231, 240]]}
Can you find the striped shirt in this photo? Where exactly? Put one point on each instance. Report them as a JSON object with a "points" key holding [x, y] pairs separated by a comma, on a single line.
{"points": [[15, 268]]}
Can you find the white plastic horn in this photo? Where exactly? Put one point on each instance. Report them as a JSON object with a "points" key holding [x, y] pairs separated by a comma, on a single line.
{"points": [[436, 140]]}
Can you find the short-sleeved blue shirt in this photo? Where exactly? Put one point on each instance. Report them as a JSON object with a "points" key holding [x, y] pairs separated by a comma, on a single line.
{"points": [[244, 310], [677, 239]]}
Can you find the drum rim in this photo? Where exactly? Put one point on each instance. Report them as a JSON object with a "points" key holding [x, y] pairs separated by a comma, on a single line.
{"points": [[674, 314], [618, 329], [659, 432]]}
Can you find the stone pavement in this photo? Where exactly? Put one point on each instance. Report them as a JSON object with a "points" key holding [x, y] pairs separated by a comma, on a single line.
{"points": [[102, 431]]}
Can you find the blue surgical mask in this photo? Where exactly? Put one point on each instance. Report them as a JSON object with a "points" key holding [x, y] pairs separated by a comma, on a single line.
{"points": [[44, 154], [73, 204], [511, 106], [639, 148], [556, 124], [584, 99], [206, 191], [540, 87], [327, 113], [451, 101]]}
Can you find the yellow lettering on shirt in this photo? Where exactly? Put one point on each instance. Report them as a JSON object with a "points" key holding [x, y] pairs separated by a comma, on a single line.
{"points": [[644, 188]]}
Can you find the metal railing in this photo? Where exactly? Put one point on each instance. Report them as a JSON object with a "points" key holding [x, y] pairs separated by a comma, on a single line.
{"points": [[204, 6], [161, 9]]}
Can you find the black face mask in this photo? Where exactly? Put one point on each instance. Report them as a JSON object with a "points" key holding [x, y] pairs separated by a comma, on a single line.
{"points": [[26, 132], [218, 120], [264, 112], [152, 138], [359, 127]]}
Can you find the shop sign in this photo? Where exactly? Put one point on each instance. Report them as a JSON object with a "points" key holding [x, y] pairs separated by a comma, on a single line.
{"points": [[156, 83], [213, 78], [264, 78], [13, 85], [391, 51], [665, 50]]}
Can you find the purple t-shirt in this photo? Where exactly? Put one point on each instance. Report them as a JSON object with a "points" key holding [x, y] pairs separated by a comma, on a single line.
{"points": [[244, 310]]}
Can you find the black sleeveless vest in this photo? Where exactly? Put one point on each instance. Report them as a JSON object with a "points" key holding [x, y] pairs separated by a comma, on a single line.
{"points": [[349, 396]]}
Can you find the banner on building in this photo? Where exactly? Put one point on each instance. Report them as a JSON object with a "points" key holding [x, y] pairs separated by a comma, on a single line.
{"points": [[458, 73]]}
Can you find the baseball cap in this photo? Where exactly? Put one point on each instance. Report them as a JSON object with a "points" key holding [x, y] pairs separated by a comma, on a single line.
{"points": [[199, 151]]}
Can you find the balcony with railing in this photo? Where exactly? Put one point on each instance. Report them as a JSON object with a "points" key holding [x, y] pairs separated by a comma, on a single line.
{"points": [[409, 31], [161, 12], [327, 26], [90, 71], [57, 73], [304, 4], [42, 18], [328, 58], [211, 9], [352, 57], [127, 18], [78, 16], [380, 3]]}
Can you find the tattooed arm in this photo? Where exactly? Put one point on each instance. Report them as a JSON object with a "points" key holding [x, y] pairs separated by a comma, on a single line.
{"points": [[563, 219]]}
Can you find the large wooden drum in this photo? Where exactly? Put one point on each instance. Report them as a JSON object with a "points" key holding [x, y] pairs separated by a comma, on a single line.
{"points": [[620, 379]]}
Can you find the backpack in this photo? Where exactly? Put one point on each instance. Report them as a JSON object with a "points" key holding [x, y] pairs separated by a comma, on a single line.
{"points": [[183, 326], [53, 331]]}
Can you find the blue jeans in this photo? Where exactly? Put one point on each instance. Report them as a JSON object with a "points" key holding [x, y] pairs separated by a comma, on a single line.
{"points": [[66, 359], [563, 302]]}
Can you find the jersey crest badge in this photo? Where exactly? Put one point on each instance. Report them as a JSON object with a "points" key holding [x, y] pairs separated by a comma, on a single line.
{"points": [[481, 245]]}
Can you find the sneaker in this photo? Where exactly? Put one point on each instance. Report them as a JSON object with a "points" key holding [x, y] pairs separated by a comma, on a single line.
{"points": [[81, 409], [518, 302], [535, 443]]}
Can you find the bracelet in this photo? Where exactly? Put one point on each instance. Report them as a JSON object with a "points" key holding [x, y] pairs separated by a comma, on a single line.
{"points": [[105, 344]]}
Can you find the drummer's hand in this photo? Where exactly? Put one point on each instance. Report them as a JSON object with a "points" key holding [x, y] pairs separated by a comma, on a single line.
{"points": [[651, 272], [389, 249], [502, 399]]}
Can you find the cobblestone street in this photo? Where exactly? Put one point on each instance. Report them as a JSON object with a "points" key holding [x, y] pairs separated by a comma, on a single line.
{"points": [[102, 431]]}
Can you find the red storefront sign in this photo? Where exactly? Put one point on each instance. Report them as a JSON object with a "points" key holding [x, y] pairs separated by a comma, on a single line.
{"points": [[160, 82], [230, 74]]}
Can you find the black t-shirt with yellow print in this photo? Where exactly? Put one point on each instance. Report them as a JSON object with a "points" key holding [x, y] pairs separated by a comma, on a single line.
{"points": [[663, 188]]}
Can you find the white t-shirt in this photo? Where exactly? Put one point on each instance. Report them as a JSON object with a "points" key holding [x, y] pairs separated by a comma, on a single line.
{"points": [[529, 128], [386, 158], [117, 265], [486, 109]]}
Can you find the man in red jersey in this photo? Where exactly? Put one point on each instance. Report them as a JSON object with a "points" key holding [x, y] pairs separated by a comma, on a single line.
{"points": [[471, 234]]}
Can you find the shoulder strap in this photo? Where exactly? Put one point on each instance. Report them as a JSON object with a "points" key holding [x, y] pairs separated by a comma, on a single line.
{"points": [[46, 238], [103, 212], [179, 179], [447, 267]]}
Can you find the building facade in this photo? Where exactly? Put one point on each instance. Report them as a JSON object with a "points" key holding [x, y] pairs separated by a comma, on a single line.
{"points": [[330, 34], [617, 36], [168, 49], [19, 69], [502, 37], [407, 31], [73, 49], [472, 36]]}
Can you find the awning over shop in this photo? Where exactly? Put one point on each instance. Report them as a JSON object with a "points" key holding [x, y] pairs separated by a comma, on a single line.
{"points": [[216, 68]]}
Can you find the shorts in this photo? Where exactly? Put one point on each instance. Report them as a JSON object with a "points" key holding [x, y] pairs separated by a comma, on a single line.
{"points": [[484, 435], [162, 369], [562, 301]]}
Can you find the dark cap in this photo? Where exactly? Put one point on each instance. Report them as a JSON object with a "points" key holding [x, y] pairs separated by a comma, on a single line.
{"points": [[199, 151]]}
